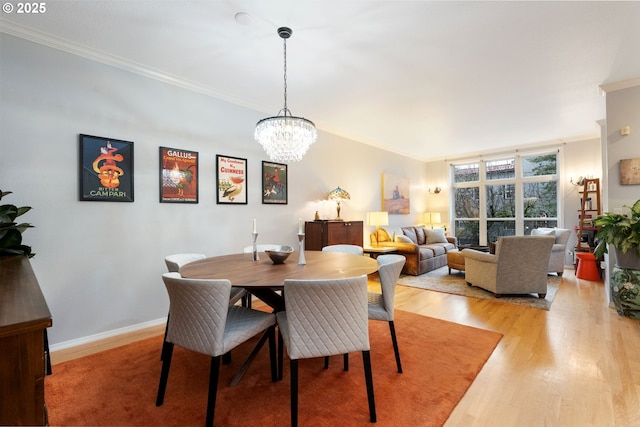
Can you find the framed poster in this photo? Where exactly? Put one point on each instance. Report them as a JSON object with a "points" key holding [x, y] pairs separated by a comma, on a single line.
{"points": [[395, 194], [231, 177], [178, 176], [106, 169], [274, 183], [630, 171]]}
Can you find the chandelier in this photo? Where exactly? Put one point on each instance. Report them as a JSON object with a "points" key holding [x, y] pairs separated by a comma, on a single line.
{"points": [[285, 138]]}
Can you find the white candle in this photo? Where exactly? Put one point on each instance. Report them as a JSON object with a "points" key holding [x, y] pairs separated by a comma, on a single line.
{"points": [[254, 226], [300, 229]]}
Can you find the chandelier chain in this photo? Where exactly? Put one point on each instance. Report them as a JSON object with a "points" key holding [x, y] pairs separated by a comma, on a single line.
{"points": [[284, 40]]}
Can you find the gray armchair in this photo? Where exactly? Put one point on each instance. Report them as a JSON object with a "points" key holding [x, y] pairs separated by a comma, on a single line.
{"points": [[558, 251], [519, 266]]}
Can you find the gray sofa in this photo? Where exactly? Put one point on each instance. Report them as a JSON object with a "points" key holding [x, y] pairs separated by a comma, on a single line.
{"points": [[424, 249]]}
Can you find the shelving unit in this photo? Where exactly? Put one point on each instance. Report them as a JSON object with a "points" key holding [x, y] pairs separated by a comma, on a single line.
{"points": [[590, 209]]}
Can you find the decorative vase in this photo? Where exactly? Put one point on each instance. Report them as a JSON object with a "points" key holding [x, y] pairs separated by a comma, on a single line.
{"points": [[630, 260]]}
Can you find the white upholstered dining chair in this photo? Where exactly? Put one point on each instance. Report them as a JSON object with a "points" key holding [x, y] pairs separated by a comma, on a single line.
{"points": [[175, 261], [202, 320], [347, 249], [325, 318], [381, 306]]}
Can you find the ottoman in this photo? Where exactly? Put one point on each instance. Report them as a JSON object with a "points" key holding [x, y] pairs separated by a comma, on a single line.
{"points": [[455, 260]]}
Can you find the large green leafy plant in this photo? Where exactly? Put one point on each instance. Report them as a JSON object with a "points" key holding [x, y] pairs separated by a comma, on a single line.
{"points": [[621, 231], [11, 231]]}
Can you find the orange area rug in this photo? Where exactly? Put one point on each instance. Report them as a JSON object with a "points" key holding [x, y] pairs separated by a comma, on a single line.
{"points": [[118, 387]]}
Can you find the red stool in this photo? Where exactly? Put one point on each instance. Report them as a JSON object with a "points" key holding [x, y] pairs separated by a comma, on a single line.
{"points": [[587, 268]]}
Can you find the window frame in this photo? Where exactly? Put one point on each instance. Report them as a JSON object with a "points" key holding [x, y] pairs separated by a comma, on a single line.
{"points": [[519, 181]]}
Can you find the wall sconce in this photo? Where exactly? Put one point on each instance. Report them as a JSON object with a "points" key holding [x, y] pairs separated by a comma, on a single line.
{"points": [[578, 183], [625, 131], [377, 219], [436, 190]]}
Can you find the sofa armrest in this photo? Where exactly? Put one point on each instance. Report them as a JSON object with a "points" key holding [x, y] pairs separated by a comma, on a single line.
{"points": [[452, 239], [402, 247], [480, 256]]}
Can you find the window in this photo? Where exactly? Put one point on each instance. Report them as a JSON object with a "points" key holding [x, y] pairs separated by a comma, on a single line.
{"points": [[505, 196]]}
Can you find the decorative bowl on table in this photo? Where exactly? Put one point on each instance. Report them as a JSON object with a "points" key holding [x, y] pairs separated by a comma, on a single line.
{"points": [[279, 254]]}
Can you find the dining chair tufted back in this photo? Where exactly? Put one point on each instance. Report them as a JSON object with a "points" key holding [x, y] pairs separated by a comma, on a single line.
{"points": [[325, 318]]}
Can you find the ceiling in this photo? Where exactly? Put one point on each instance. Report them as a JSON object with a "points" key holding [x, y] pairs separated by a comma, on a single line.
{"points": [[430, 80]]}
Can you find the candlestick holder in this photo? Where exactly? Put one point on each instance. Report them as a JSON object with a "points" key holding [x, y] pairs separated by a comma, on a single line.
{"points": [[255, 247], [301, 259]]}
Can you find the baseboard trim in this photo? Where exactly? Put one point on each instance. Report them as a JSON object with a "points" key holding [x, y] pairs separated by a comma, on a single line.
{"points": [[106, 335]]}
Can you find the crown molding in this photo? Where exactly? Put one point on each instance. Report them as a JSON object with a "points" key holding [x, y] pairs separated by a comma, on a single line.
{"points": [[54, 42], [624, 84]]}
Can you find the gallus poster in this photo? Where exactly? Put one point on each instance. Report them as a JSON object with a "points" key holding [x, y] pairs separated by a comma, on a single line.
{"points": [[178, 176]]}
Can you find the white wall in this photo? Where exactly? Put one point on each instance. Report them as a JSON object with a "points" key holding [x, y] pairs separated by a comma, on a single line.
{"points": [[99, 263]]}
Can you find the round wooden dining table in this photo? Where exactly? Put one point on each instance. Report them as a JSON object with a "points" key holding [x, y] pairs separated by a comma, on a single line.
{"points": [[263, 278]]}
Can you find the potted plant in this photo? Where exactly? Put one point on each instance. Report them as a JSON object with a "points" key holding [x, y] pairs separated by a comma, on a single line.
{"points": [[623, 233], [11, 231]]}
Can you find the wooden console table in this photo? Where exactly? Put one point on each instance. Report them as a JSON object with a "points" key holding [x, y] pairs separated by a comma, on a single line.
{"points": [[24, 316]]}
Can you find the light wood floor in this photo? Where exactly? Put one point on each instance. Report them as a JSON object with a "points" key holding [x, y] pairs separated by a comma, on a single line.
{"points": [[575, 365]]}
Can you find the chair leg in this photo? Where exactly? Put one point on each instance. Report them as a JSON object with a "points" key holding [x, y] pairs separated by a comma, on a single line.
{"points": [[368, 376], [272, 353], [326, 362], [293, 363], [280, 354], [214, 374], [166, 328], [392, 329], [226, 358], [246, 300], [167, 352], [345, 358]]}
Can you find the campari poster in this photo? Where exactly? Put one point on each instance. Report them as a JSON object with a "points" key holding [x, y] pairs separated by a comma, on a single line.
{"points": [[106, 169], [178, 176]]}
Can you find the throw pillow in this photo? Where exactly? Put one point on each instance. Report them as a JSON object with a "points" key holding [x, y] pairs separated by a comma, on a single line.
{"points": [[403, 239], [435, 236], [543, 232], [410, 232]]}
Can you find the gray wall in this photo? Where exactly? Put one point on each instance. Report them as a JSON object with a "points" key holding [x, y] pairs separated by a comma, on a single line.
{"points": [[623, 109], [99, 263]]}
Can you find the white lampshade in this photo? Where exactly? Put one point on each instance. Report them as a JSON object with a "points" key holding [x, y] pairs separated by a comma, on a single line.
{"points": [[432, 218], [378, 218]]}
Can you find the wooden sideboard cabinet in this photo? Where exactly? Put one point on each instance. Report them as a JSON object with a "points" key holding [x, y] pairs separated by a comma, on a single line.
{"points": [[319, 234], [24, 316]]}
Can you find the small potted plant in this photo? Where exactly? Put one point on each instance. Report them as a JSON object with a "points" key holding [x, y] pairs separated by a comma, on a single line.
{"points": [[11, 231], [622, 231]]}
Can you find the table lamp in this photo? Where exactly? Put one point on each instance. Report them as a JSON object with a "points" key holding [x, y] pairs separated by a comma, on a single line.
{"points": [[377, 219], [338, 194], [432, 218]]}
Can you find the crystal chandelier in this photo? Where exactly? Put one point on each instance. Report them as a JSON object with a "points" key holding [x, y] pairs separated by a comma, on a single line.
{"points": [[285, 138]]}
